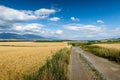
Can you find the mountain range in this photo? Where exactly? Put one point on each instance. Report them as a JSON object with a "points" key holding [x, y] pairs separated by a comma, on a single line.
{"points": [[19, 36]]}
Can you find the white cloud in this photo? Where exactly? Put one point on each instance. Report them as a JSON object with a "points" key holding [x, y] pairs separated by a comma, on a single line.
{"points": [[74, 19], [54, 19], [13, 20], [84, 28], [58, 32], [10, 14], [115, 31], [82, 31], [100, 21], [44, 12], [35, 28], [28, 27]]}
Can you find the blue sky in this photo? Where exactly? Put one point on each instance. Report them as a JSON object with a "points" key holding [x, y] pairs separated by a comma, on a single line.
{"points": [[65, 19]]}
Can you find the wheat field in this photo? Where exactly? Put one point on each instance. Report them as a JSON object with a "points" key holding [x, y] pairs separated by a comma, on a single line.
{"points": [[111, 46], [20, 58]]}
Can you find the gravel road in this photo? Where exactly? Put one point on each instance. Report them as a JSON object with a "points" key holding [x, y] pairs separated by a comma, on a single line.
{"points": [[79, 70]]}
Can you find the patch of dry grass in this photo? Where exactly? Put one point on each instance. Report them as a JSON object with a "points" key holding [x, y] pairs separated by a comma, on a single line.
{"points": [[109, 51], [20, 58], [111, 46]]}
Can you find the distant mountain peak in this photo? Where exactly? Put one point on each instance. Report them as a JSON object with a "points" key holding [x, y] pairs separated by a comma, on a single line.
{"points": [[18, 36]]}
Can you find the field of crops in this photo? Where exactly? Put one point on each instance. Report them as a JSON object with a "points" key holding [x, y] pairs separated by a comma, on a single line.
{"points": [[20, 58], [112, 46], [108, 51]]}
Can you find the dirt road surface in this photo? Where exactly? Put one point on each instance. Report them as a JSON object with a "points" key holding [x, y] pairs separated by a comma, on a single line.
{"points": [[79, 69], [108, 69]]}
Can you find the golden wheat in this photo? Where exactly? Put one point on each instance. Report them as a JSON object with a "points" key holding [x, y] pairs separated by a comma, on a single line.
{"points": [[111, 46], [20, 58]]}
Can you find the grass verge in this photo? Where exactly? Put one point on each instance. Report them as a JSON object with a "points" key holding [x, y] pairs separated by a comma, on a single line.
{"points": [[111, 54], [54, 69]]}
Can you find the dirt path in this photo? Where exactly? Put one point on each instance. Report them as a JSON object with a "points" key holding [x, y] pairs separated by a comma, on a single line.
{"points": [[109, 70], [78, 68]]}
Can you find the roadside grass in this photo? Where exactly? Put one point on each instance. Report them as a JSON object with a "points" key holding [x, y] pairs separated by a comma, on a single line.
{"points": [[111, 54], [54, 69]]}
